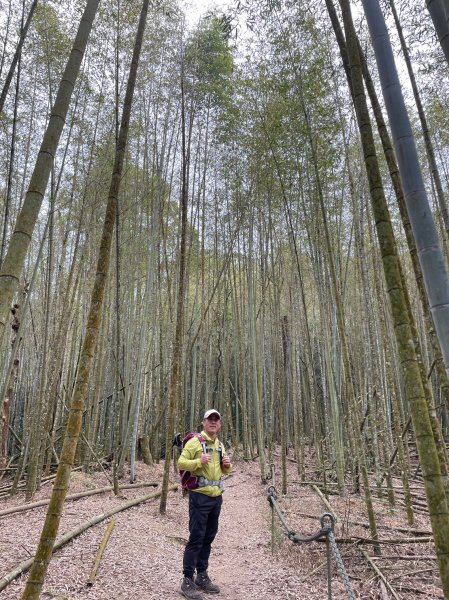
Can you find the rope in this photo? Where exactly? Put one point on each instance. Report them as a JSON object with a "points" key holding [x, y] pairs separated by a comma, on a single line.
{"points": [[340, 566], [292, 535], [327, 521]]}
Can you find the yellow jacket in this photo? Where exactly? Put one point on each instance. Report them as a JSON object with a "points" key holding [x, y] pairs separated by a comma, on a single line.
{"points": [[190, 460]]}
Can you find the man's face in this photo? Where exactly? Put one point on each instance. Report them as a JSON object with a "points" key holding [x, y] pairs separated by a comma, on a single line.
{"points": [[212, 425]]}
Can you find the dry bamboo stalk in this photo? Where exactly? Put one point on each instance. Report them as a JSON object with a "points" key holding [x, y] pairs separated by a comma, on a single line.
{"points": [[101, 549], [380, 574], [6, 489], [417, 532], [407, 557], [383, 590], [16, 509], [25, 565], [415, 540], [417, 572], [324, 501], [359, 541]]}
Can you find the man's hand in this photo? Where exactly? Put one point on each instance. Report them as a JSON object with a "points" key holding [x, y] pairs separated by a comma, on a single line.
{"points": [[205, 458], [226, 462]]}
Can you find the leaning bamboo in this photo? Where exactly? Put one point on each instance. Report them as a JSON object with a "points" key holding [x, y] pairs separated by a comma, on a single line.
{"points": [[17, 55], [440, 22], [101, 549], [80, 388], [380, 574], [25, 565], [324, 500], [15, 257], [31, 505]]}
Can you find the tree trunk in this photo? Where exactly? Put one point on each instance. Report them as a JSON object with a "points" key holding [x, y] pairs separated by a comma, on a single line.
{"points": [[16, 56], [43, 554], [12, 266], [415, 394], [438, 13], [176, 375]]}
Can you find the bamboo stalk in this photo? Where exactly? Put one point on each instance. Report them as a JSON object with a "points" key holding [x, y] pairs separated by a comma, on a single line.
{"points": [[25, 565], [380, 574], [101, 549], [324, 501], [16, 509]]}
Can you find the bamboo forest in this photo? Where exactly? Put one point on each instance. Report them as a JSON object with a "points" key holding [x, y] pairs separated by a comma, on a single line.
{"points": [[241, 207]]}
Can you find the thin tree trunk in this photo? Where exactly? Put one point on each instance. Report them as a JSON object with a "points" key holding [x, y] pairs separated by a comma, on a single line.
{"points": [[6, 403], [425, 129], [438, 13], [43, 554], [10, 168], [16, 56], [38, 433], [12, 266], [286, 347], [176, 376], [415, 393], [252, 342]]}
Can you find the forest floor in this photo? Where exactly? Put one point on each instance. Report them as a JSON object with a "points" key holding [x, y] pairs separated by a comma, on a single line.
{"points": [[143, 557]]}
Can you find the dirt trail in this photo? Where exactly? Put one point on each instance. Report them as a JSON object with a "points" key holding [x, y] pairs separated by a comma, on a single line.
{"points": [[143, 558], [242, 551]]}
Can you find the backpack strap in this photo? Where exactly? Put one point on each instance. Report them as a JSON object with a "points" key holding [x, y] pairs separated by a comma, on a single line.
{"points": [[221, 451], [202, 441]]}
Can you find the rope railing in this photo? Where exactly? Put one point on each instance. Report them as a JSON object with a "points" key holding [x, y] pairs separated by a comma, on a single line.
{"points": [[326, 532]]}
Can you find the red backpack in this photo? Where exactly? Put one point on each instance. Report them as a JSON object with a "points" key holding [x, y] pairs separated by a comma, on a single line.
{"points": [[189, 481]]}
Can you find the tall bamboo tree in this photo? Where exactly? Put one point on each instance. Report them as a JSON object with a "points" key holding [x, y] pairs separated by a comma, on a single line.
{"points": [[176, 375], [439, 11], [17, 54], [43, 554], [12, 266], [436, 497], [429, 251], [424, 126]]}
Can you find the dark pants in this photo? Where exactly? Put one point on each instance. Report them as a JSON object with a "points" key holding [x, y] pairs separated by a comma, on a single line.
{"points": [[203, 526]]}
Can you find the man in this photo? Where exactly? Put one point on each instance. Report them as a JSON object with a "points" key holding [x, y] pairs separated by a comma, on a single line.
{"points": [[204, 504]]}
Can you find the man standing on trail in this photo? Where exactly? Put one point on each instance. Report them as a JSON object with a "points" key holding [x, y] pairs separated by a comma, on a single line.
{"points": [[206, 460]]}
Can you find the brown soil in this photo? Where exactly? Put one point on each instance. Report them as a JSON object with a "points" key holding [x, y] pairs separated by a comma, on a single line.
{"points": [[143, 557]]}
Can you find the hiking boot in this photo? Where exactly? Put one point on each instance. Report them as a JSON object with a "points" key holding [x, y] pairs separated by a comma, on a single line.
{"points": [[203, 582], [189, 589]]}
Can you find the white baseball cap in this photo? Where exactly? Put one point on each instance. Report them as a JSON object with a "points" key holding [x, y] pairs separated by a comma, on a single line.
{"points": [[210, 412]]}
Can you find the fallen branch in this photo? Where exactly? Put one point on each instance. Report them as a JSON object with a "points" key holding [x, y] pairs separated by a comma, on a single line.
{"points": [[409, 573], [417, 532], [16, 509], [360, 541], [324, 500], [380, 574], [100, 552], [6, 489], [415, 591], [406, 557], [25, 565]]}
